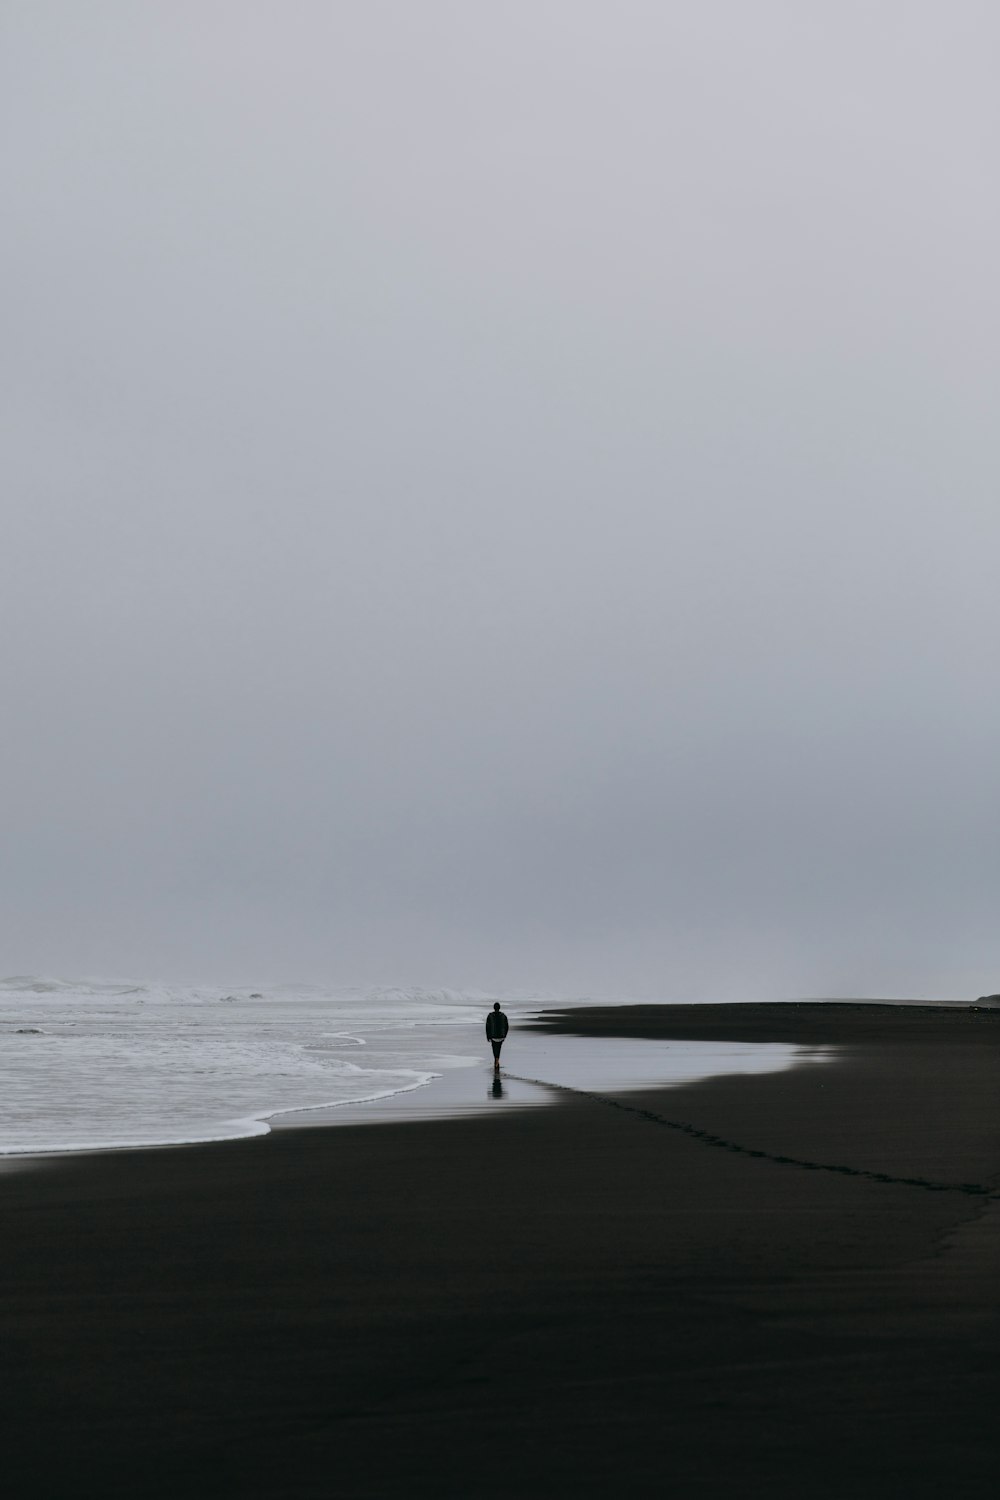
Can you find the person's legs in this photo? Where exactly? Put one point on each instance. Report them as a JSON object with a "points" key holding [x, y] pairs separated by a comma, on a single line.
{"points": [[496, 1055]]}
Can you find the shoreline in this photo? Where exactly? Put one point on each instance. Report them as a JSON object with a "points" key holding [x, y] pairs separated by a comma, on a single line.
{"points": [[435, 1092], [568, 1300]]}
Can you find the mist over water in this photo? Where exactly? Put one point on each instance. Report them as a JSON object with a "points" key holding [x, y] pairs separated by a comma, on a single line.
{"points": [[502, 496]]}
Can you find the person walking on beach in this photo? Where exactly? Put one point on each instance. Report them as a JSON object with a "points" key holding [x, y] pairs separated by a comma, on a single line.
{"points": [[497, 1027]]}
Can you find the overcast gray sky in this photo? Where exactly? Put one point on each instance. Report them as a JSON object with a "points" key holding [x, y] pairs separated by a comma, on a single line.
{"points": [[502, 493]]}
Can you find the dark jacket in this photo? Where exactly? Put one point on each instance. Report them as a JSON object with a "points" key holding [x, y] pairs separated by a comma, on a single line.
{"points": [[497, 1026]]}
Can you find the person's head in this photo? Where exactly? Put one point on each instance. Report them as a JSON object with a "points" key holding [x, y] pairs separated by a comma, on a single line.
{"points": [[496, 1005]]}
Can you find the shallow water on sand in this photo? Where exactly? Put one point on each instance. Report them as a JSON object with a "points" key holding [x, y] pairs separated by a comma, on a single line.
{"points": [[536, 1066]]}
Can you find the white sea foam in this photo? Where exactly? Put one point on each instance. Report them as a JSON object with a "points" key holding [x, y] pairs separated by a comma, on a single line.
{"points": [[87, 1065]]}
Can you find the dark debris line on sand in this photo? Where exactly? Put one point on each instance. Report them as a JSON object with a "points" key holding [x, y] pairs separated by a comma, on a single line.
{"points": [[970, 1189]]}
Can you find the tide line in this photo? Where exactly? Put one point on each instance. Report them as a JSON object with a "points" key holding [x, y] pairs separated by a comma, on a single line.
{"points": [[707, 1138]]}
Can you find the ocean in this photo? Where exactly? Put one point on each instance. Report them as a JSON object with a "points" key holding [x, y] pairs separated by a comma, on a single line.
{"points": [[99, 1065]]}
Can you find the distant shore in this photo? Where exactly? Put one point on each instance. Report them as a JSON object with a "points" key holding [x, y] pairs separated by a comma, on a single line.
{"points": [[774, 1284]]}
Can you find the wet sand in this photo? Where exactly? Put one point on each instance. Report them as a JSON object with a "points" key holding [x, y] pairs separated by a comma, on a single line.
{"points": [[768, 1285]]}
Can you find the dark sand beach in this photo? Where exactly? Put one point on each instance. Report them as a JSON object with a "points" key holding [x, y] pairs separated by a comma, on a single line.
{"points": [[777, 1285]]}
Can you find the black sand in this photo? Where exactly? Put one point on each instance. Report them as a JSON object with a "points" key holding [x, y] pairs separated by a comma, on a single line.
{"points": [[579, 1300]]}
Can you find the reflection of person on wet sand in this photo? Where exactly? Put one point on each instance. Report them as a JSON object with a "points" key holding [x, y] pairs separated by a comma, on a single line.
{"points": [[497, 1027]]}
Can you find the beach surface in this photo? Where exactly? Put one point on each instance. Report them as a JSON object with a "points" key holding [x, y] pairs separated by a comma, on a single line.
{"points": [[770, 1284]]}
